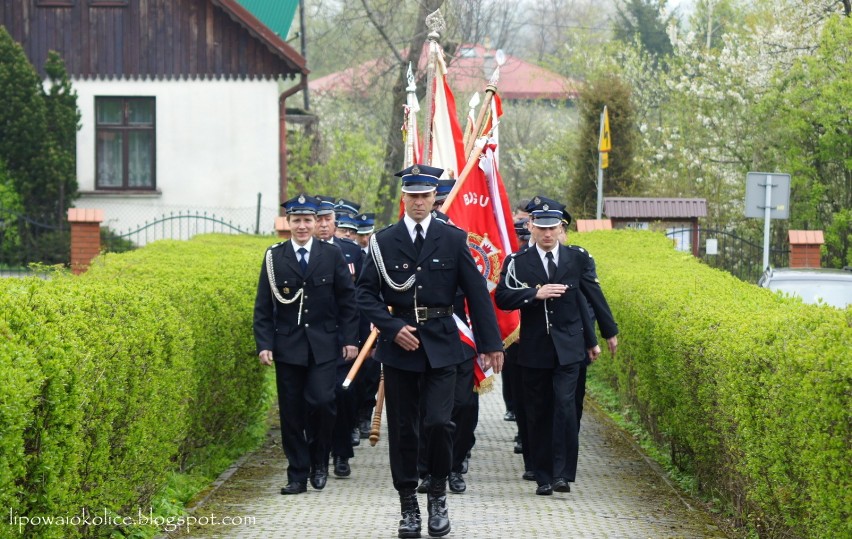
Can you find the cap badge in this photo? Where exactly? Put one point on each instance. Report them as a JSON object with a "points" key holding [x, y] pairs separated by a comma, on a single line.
{"points": [[415, 170], [363, 217], [545, 207], [301, 199], [341, 202]]}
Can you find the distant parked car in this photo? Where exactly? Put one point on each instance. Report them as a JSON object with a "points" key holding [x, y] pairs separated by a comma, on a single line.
{"points": [[814, 285]]}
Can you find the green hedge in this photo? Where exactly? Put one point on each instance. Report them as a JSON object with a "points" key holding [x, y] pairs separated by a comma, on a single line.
{"points": [[112, 380], [751, 391]]}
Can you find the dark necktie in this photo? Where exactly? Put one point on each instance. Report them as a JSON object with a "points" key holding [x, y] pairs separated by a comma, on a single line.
{"points": [[551, 266], [303, 261], [418, 238]]}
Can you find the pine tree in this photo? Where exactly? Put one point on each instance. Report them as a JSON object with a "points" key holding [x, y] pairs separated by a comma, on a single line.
{"points": [[619, 178]]}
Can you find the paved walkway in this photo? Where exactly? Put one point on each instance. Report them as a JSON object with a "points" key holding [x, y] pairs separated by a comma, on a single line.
{"points": [[617, 494]]}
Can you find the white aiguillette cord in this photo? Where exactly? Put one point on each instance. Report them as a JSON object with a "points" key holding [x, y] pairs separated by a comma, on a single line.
{"points": [[299, 295], [513, 283]]}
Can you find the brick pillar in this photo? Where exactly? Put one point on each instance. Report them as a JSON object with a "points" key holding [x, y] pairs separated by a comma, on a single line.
{"points": [[85, 237], [282, 227], [588, 225], [804, 248]]}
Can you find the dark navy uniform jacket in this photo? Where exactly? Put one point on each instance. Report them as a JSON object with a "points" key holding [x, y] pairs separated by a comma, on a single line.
{"points": [[571, 328], [444, 266], [328, 309]]}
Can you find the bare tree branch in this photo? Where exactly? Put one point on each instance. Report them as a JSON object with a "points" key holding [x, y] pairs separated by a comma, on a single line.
{"points": [[381, 30]]}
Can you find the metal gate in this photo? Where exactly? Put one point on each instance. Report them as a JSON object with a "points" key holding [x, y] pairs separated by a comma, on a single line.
{"points": [[175, 226], [738, 256], [26, 240]]}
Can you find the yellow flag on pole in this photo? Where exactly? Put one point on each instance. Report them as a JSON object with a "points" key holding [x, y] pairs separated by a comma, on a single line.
{"points": [[605, 144]]}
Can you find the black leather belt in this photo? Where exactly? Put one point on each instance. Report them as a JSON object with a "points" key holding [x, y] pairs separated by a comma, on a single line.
{"points": [[424, 313]]}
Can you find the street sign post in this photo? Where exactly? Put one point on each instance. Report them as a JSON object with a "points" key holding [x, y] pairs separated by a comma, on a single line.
{"points": [[767, 196]]}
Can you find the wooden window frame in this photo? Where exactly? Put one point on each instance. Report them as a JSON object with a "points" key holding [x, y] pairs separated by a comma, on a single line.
{"points": [[55, 3], [126, 128], [108, 3]]}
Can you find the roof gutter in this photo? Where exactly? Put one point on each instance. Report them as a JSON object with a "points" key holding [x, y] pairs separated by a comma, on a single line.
{"points": [[282, 138]]}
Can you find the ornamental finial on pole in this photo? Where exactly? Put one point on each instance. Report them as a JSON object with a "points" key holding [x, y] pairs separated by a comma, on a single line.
{"points": [[436, 24]]}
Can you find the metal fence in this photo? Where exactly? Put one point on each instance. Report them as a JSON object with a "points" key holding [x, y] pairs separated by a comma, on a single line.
{"points": [[741, 257], [26, 240], [181, 225]]}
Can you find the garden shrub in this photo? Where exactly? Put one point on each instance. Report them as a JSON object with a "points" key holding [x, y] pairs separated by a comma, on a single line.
{"points": [[114, 379], [750, 390]]}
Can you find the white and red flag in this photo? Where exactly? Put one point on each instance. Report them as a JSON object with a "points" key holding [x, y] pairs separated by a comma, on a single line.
{"points": [[481, 207]]}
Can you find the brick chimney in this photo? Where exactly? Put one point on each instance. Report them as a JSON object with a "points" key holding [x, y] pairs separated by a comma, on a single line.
{"points": [[804, 248]]}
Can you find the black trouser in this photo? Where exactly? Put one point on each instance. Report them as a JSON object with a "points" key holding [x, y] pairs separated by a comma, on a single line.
{"points": [[465, 417], [366, 386], [403, 391], [508, 378], [347, 418], [465, 414], [517, 383], [307, 409], [552, 421], [580, 394]]}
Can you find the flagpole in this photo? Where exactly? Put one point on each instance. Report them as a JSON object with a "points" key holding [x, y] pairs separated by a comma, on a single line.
{"points": [[490, 90], [604, 146], [411, 119], [435, 23]]}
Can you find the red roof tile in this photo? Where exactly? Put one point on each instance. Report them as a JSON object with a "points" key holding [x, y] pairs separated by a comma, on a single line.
{"points": [[467, 73]]}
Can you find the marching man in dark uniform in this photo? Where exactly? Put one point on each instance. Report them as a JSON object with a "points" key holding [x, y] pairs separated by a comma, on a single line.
{"points": [[346, 418], [305, 298], [548, 283], [416, 267]]}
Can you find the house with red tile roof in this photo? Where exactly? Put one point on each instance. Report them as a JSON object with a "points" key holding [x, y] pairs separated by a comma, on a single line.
{"points": [[469, 69]]}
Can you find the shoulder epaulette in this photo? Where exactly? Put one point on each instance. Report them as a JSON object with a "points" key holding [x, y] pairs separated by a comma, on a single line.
{"points": [[578, 248], [347, 240], [383, 229], [279, 244]]}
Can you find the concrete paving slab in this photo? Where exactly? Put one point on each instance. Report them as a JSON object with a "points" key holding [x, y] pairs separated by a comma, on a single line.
{"points": [[618, 494]]}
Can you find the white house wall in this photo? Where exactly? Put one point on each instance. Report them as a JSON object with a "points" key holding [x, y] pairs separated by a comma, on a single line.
{"points": [[216, 149]]}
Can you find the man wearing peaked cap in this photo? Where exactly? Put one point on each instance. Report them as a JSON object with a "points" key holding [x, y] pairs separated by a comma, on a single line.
{"points": [[445, 185], [304, 300], [550, 284], [347, 207], [367, 382], [415, 268], [344, 435], [347, 227]]}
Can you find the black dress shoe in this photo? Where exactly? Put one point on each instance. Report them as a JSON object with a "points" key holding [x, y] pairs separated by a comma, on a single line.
{"points": [[544, 490], [519, 448], [319, 477], [439, 518], [355, 437], [465, 464], [561, 485], [424, 485], [409, 524], [364, 428], [509, 416], [294, 487], [456, 482], [341, 467], [529, 475]]}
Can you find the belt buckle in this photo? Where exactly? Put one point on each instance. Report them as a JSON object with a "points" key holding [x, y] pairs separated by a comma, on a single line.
{"points": [[421, 317]]}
